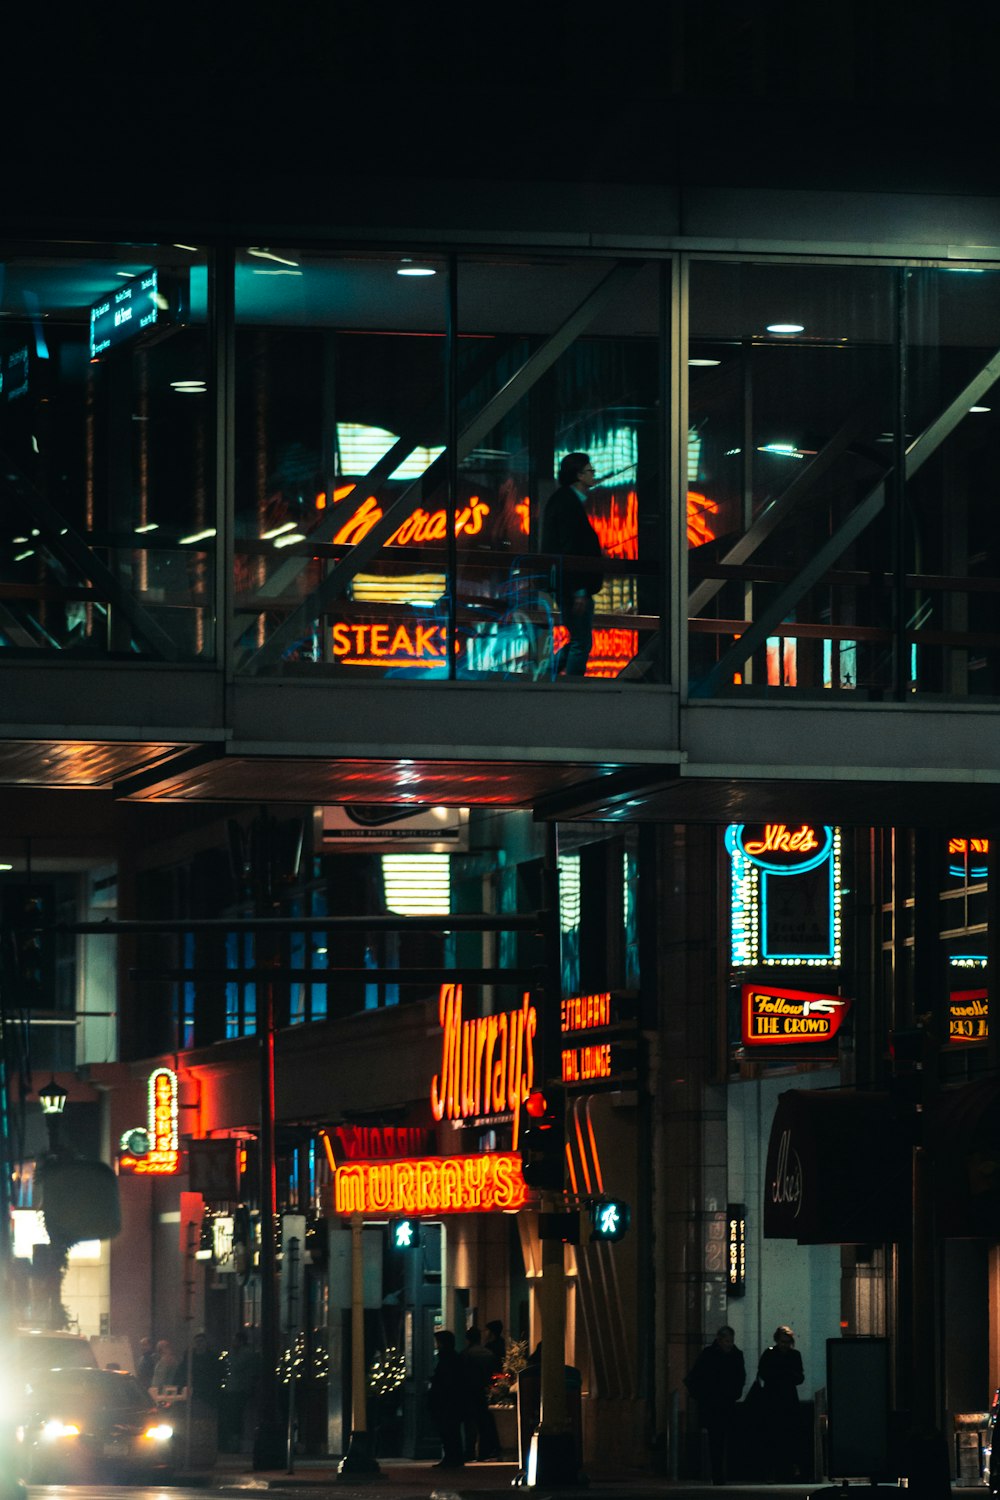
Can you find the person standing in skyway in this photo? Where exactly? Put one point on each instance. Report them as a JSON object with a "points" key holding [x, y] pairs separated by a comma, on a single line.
{"points": [[567, 532]]}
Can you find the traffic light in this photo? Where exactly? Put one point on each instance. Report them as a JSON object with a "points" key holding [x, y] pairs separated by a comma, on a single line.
{"points": [[609, 1219], [543, 1140], [404, 1234]]}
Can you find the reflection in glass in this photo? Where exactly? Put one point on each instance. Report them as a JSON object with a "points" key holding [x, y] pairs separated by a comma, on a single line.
{"points": [[104, 402], [790, 407]]}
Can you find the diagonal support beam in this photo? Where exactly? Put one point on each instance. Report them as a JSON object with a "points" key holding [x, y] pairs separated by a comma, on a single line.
{"points": [[66, 544], [520, 383], [770, 519], [920, 450]]}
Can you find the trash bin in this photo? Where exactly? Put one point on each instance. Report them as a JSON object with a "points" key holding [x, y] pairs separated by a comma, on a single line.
{"points": [[971, 1429]]}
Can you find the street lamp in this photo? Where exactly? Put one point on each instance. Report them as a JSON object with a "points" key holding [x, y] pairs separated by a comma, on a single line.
{"points": [[52, 1098]]}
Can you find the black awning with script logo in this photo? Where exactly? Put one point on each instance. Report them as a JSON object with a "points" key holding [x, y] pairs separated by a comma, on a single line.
{"points": [[838, 1169]]}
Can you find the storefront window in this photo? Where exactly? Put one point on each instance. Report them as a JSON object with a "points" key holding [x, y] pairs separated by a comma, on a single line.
{"points": [[789, 444], [104, 431]]}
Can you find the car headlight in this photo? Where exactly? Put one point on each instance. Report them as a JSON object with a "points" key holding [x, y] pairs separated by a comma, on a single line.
{"points": [[161, 1433], [54, 1430]]}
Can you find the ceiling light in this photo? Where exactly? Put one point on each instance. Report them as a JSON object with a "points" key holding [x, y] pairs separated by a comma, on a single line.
{"points": [[20, 556], [979, 408], [6, 867], [268, 536], [786, 328], [703, 364], [129, 274], [197, 536], [289, 538], [187, 385], [192, 248], [149, 526], [264, 254], [409, 269]]}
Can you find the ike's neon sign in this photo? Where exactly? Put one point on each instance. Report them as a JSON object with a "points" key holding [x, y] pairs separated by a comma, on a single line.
{"points": [[487, 1062], [778, 838], [486, 1183]]}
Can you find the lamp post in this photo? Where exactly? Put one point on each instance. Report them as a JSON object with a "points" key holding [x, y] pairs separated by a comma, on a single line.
{"points": [[52, 1098], [52, 1257]]}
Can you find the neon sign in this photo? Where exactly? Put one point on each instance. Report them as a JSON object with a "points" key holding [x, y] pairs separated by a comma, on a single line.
{"points": [[582, 1012], [737, 1217], [968, 1016], [431, 1185], [419, 527], [487, 1062], [772, 1017], [785, 895], [163, 1154], [600, 1057], [964, 849], [389, 646]]}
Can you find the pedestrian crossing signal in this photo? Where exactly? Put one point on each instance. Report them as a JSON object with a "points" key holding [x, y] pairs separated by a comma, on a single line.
{"points": [[404, 1234], [609, 1220]]}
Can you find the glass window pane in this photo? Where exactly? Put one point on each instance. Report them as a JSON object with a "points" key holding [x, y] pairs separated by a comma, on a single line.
{"points": [[340, 422], [536, 386], [790, 431], [953, 538], [104, 429]]}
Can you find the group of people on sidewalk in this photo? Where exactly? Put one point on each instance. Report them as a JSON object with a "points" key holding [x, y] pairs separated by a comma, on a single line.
{"points": [[716, 1381], [459, 1395]]}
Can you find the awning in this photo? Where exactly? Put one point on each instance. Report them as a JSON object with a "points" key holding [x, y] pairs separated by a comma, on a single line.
{"points": [[838, 1169]]}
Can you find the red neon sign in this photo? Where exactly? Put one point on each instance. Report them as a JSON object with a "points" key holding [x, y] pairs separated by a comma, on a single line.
{"points": [[487, 1062], [780, 839], [969, 1012], [779, 1017], [163, 1156], [584, 1012], [968, 846], [431, 1185]]}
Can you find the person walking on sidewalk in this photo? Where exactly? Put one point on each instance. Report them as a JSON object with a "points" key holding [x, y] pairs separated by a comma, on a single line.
{"points": [[716, 1381]]}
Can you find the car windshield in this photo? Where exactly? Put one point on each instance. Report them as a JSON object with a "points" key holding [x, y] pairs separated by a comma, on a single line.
{"points": [[109, 1390], [42, 1353]]}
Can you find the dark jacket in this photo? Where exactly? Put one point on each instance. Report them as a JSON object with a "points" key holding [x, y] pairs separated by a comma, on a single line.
{"points": [[717, 1378], [779, 1374], [567, 532]]}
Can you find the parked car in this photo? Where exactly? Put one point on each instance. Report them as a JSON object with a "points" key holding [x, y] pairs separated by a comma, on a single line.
{"points": [[80, 1425], [43, 1349]]}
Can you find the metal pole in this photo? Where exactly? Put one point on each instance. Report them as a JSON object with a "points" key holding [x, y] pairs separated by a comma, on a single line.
{"points": [[291, 1329], [359, 1461], [267, 1438], [193, 1236]]}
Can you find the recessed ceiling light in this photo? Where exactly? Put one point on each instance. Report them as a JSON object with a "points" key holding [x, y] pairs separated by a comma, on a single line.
{"points": [[6, 867], [408, 268], [786, 328], [187, 385], [264, 254], [704, 364], [979, 408], [129, 274], [149, 526]]}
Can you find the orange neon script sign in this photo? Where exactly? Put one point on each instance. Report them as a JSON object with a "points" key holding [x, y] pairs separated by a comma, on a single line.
{"points": [[420, 526], [487, 1062], [164, 1155], [431, 1185], [780, 839]]}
